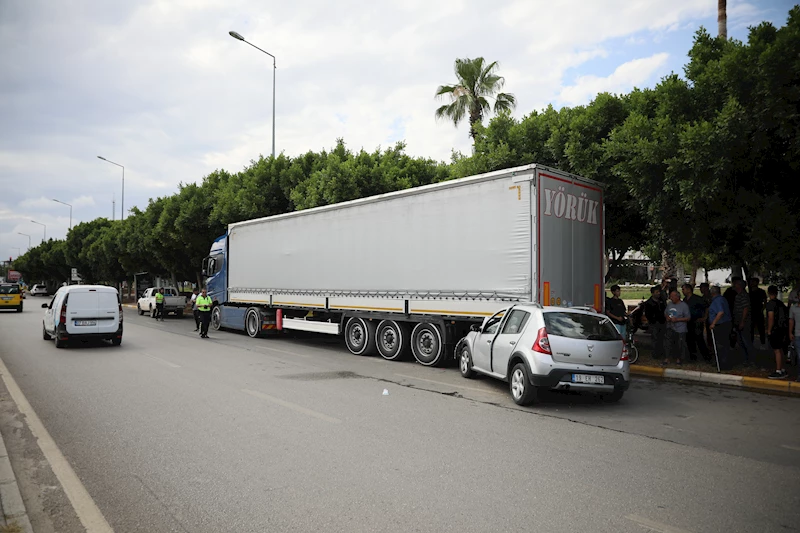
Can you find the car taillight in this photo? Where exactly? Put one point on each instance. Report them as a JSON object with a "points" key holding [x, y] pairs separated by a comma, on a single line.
{"points": [[624, 352], [542, 343]]}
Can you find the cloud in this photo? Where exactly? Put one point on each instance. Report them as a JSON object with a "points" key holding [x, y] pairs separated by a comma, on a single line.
{"points": [[624, 78]]}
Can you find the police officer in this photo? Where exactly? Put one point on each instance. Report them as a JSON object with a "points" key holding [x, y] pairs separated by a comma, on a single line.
{"points": [[203, 303], [160, 304]]}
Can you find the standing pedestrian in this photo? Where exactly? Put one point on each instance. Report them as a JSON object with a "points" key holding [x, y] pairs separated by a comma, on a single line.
{"points": [[742, 320], [677, 317], [777, 329], [720, 323], [758, 299], [654, 313], [615, 309], [160, 304], [694, 335], [730, 293], [195, 312], [794, 329], [705, 290], [204, 303]]}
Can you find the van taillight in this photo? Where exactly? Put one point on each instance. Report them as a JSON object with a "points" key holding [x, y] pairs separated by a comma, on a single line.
{"points": [[64, 314], [542, 343]]}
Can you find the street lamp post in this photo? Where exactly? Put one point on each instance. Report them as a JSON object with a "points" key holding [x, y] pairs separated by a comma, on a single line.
{"points": [[29, 240], [274, 68], [44, 235], [70, 211], [123, 182]]}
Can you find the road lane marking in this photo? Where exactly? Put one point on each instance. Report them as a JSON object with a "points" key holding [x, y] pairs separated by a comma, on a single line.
{"points": [[88, 513], [451, 385], [788, 447], [292, 406], [162, 361], [655, 526]]}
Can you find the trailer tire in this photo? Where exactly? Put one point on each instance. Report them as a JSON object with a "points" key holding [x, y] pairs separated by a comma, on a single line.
{"points": [[252, 323], [359, 336], [216, 318], [427, 345], [391, 339]]}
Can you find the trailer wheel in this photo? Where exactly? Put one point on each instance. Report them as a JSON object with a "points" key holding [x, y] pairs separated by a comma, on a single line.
{"points": [[216, 318], [359, 336], [427, 345], [392, 340], [252, 323]]}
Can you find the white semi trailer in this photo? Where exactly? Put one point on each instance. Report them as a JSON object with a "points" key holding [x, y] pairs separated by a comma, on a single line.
{"points": [[412, 270]]}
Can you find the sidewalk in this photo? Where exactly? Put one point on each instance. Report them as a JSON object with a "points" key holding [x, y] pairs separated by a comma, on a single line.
{"points": [[15, 517]]}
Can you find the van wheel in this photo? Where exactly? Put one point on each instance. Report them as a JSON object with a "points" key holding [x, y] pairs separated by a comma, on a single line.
{"points": [[216, 318], [391, 339], [45, 336], [359, 336], [252, 323], [522, 390], [427, 345], [465, 361], [60, 343]]}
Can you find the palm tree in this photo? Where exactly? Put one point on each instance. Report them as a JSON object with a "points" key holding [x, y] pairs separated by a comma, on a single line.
{"points": [[722, 18], [477, 82]]}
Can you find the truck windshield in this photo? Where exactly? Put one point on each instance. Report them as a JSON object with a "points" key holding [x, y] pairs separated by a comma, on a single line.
{"points": [[580, 326]]}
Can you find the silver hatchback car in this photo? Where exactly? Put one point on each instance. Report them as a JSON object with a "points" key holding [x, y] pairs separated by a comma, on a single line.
{"points": [[547, 348]]}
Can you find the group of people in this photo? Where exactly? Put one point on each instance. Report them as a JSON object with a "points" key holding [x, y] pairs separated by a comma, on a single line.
{"points": [[685, 324]]}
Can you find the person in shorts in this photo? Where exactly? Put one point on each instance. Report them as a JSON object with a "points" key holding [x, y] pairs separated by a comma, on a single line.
{"points": [[777, 329]]}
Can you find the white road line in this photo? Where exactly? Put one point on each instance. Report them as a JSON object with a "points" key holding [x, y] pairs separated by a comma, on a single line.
{"points": [[89, 514], [162, 361], [292, 406], [451, 385], [788, 447], [655, 526]]}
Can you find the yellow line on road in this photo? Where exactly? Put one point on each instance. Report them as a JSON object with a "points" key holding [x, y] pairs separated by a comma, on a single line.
{"points": [[450, 384], [292, 406], [89, 514]]}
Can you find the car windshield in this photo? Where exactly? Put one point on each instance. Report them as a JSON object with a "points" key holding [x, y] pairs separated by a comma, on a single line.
{"points": [[9, 289], [580, 326]]}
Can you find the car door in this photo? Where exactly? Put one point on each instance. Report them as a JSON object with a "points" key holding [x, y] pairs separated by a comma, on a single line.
{"points": [[506, 341], [51, 314], [482, 348]]}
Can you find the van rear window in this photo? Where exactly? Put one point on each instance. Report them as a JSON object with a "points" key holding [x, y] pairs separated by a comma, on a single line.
{"points": [[580, 326]]}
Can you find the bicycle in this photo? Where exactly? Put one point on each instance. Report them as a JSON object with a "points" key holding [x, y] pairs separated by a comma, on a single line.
{"points": [[630, 343]]}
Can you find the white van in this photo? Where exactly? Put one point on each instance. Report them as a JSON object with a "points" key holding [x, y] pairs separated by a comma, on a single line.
{"points": [[82, 312]]}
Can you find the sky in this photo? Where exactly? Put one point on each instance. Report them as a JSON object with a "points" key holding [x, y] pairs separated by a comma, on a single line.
{"points": [[160, 87]]}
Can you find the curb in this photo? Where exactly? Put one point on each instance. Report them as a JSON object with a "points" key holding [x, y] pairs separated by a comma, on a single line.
{"points": [[10, 497], [789, 387]]}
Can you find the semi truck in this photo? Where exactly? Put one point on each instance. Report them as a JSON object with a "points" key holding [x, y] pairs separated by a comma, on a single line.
{"points": [[411, 271]]}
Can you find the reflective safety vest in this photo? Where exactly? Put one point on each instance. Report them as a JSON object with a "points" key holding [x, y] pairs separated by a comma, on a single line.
{"points": [[159, 298], [203, 303]]}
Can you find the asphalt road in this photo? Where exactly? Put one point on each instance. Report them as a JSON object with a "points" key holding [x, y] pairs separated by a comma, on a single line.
{"points": [[170, 432]]}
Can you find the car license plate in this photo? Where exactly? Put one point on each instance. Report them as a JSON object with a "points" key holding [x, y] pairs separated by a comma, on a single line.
{"points": [[7, 298], [587, 378], [85, 322]]}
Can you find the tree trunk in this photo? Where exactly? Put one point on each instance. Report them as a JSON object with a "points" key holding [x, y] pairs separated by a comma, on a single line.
{"points": [[722, 18], [669, 264], [695, 268], [613, 266]]}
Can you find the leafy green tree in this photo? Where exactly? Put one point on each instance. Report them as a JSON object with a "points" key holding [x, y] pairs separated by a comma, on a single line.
{"points": [[476, 83]]}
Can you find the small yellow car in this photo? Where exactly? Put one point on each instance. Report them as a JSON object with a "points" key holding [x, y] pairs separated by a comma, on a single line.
{"points": [[11, 296]]}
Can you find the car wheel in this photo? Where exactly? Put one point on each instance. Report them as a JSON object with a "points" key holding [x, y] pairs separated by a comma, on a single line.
{"points": [[139, 309], [614, 396], [465, 361], [19, 309], [522, 390], [45, 336]]}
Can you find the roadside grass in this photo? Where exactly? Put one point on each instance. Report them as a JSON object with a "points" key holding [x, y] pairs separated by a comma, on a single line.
{"points": [[13, 527]]}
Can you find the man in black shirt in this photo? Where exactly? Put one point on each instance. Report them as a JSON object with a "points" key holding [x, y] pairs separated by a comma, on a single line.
{"points": [[654, 312], [615, 309], [758, 299], [694, 337], [777, 330]]}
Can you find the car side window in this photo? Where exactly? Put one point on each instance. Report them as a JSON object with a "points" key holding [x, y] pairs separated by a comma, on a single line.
{"points": [[516, 322], [492, 325]]}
